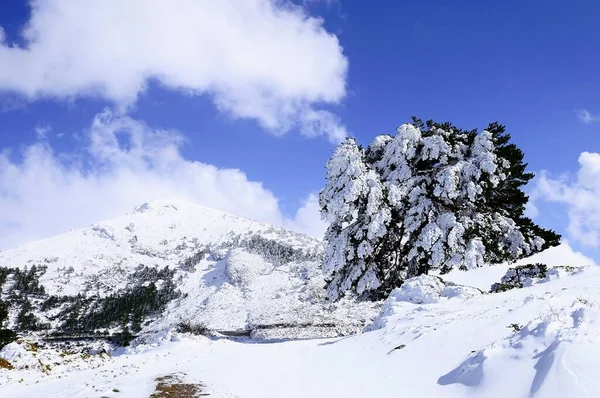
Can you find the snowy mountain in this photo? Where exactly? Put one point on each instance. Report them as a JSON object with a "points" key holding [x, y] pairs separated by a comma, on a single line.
{"points": [[173, 263], [436, 336], [432, 339]]}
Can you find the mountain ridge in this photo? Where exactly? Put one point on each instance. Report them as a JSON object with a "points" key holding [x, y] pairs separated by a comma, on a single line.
{"points": [[195, 265]]}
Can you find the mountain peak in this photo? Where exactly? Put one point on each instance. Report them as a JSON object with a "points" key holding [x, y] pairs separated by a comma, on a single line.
{"points": [[170, 204], [149, 206]]}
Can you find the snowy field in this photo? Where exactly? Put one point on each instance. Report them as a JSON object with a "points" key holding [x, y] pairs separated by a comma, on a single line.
{"points": [[539, 341]]}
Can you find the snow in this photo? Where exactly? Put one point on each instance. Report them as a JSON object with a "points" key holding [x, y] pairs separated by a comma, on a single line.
{"points": [[427, 289], [433, 337], [18, 355], [450, 347], [159, 233], [426, 198], [225, 289], [239, 273], [483, 277]]}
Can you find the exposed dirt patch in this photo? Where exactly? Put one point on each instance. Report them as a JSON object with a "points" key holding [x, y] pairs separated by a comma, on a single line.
{"points": [[4, 364], [172, 386]]}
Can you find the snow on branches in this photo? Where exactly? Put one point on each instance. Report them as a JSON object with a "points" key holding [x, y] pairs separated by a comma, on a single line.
{"points": [[431, 197]]}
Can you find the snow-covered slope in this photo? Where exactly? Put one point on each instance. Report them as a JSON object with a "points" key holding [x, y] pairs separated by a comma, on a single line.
{"points": [[223, 272], [432, 338], [156, 234], [484, 277], [539, 341]]}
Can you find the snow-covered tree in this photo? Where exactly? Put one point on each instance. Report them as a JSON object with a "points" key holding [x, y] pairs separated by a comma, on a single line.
{"points": [[358, 214], [431, 197]]}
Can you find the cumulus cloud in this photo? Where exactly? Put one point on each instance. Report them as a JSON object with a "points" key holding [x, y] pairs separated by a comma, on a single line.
{"points": [[580, 193], [258, 59], [123, 163], [308, 219], [587, 117]]}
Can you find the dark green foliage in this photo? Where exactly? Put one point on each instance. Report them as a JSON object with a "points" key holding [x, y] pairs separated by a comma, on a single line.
{"points": [[4, 273], [276, 252], [28, 282], [123, 338], [6, 335], [55, 301], [26, 320], [197, 329], [132, 304], [25, 284], [273, 251], [504, 287], [3, 311], [21, 283], [515, 327], [514, 277], [129, 306], [74, 307], [136, 322], [144, 273], [189, 264], [508, 197], [399, 347], [81, 315], [409, 208]]}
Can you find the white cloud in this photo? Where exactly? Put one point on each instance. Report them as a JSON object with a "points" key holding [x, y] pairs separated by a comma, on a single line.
{"points": [[11, 104], [308, 219], [531, 210], [42, 131], [258, 59], [581, 196], [122, 164], [587, 117]]}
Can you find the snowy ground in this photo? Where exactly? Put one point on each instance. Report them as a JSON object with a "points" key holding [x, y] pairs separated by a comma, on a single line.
{"points": [[463, 346]]}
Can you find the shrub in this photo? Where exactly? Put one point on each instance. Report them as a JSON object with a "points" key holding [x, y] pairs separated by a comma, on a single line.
{"points": [[4, 364], [7, 336], [123, 338], [197, 329], [517, 277]]}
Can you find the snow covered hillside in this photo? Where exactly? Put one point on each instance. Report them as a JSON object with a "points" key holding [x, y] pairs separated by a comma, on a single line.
{"points": [[432, 339], [173, 263], [171, 269]]}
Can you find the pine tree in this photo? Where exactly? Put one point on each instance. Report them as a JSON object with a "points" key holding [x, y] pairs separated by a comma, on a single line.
{"points": [[123, 338], [353, 204], [6, 335], [431, 197]]}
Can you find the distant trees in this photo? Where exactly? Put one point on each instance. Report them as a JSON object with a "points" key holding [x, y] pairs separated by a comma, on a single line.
{"points": [[6, 335], [432, 196], [149, 291], [123, 338], [28, 282], [130, 306], [26, 320]]}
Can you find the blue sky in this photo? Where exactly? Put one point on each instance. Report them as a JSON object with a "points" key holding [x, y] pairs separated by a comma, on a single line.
{"points": [[532, 66]]}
